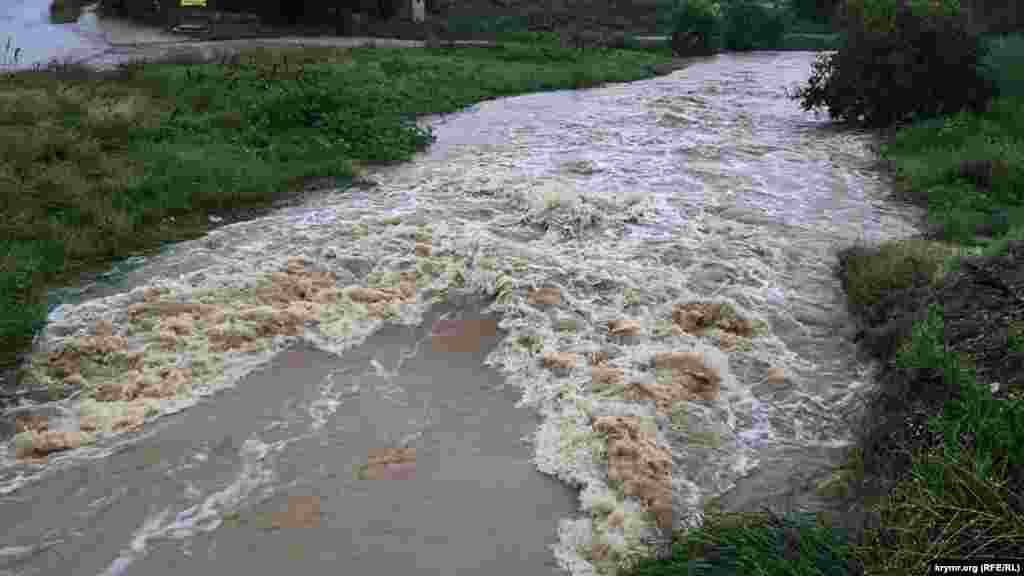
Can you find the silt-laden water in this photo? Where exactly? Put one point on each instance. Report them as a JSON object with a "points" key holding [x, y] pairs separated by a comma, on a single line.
{"points": [[706, 185]]}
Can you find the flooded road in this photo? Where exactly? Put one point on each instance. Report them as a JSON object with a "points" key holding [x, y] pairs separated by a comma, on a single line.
{"points": [[564, 327]]}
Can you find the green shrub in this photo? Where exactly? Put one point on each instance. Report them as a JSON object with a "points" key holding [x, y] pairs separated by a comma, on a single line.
{"points": [[698, 28], [811, 42], [1004, 64], [898, 63], [750, 25]]}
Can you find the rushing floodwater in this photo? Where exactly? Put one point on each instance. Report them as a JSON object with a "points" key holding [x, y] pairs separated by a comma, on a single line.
{"points": [[706, 185]]}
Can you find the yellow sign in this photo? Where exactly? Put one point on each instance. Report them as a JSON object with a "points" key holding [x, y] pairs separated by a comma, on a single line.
{"points": [[200, 3]]}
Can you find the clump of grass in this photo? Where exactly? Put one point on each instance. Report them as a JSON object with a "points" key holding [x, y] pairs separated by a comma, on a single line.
{"points": [[754, 543], [810, 42], [1003, 62], [896, 265]]}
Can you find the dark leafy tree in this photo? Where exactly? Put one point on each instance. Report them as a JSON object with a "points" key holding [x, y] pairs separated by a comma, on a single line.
{"points": [[917, 64], [697, 28], [750, 25]]}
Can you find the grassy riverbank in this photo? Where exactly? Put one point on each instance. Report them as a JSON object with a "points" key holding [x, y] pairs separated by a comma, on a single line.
{"points": [[938, 471], [799, 35], [98, 167]]}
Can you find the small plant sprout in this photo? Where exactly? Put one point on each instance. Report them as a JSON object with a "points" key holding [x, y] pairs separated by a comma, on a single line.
{"points": [[531, 343], [1015, 337], [631, 296], [489, 263], [662, 328], [519, 264]]}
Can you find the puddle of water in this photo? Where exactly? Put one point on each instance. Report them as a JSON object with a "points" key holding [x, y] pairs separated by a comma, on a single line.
{"points": [[636, 219]]}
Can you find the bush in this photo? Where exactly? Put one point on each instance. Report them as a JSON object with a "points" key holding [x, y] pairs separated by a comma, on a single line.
{"points": [[811, 42], [749, 25], [697, 29], [1004, 64], [899, 63]]}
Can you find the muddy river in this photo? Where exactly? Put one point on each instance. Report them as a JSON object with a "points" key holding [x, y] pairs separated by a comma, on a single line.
{"points": [[459, 368]]}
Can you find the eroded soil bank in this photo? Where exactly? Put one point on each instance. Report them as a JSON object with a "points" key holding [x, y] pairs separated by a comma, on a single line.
{"points": [[658, 256]]}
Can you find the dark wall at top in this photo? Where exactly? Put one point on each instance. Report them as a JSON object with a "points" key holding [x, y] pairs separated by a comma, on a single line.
{"points": [[270, 11], [999, 16]]}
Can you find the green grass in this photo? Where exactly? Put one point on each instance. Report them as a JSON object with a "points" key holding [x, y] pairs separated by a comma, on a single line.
{"points": [[810, 42], [94, 167], [754, 543], [1003, 51], [931, 159], [960, 494]]}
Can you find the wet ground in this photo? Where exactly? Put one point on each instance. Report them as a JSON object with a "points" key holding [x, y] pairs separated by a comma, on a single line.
{"points": [[657, 257]]}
